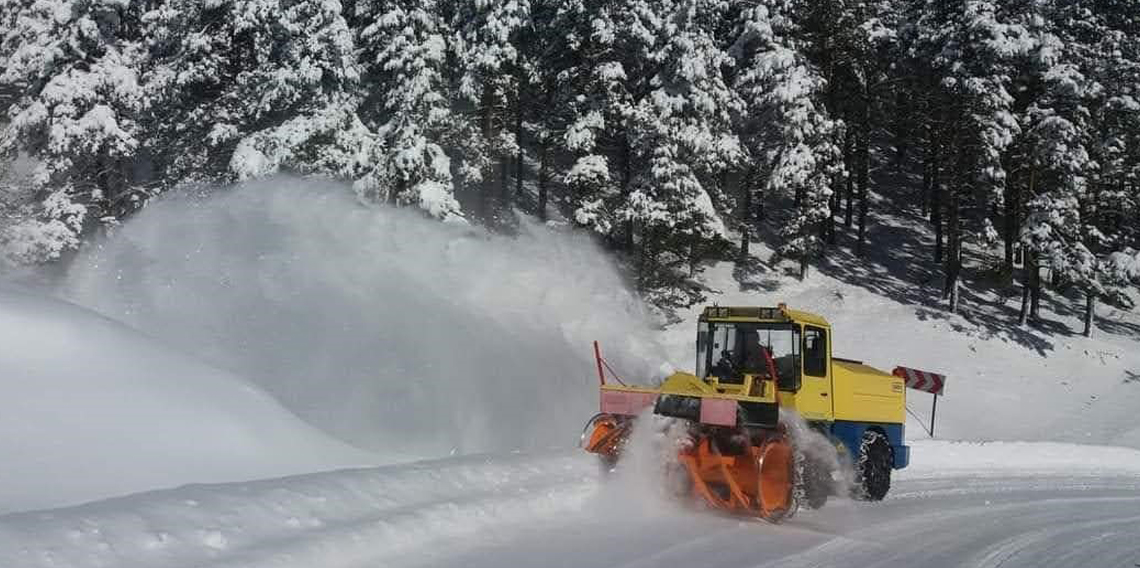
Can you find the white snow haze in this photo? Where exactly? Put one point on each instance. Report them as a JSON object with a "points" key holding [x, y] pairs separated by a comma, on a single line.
{"points": [[392, 331]]}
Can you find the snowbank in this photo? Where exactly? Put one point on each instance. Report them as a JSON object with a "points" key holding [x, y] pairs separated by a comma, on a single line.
{"points": [[343, 518], [936, 458], [91, 409]]}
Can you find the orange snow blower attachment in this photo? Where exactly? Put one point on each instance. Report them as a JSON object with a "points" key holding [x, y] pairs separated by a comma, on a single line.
{"points": [[755, 480], [733, 454], [606, 434]]}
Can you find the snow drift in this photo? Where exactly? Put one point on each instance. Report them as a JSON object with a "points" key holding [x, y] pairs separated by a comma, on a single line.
{"points": [[387, 329], [92, 409]]}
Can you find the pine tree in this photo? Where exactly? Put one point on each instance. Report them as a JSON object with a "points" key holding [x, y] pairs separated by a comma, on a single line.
{"points": [[1090, 95], [251, 87], [652, 125], [486, 46], [853, 45], [973, 49], [683, 128], [789, 136], [405, 48], [548, 65], [74, 69]]}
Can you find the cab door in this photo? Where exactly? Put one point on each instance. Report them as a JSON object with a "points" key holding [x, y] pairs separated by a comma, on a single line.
{"points": [[813, 401]]}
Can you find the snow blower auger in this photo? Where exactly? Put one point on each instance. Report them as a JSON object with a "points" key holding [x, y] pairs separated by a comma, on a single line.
{"points": [[736, 452]]}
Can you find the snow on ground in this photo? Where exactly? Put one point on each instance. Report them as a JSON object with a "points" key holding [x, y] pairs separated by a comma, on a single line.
{"points": [[337, 518], [92, 409], [488, 510], [939, 458]]}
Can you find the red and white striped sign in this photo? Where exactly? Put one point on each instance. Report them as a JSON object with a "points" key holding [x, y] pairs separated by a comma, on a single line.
{"points": [[921, 380]]}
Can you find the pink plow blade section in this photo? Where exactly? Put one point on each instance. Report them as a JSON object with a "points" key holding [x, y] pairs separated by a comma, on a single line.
{"points": [[626, 403], [718, 412]]}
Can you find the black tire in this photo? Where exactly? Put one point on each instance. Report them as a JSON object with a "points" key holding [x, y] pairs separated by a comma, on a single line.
{"points": [[816, 483], [873, 468]]}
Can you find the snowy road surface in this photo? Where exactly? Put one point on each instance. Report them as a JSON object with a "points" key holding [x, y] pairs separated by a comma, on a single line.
{"points": [[1000, 504]]}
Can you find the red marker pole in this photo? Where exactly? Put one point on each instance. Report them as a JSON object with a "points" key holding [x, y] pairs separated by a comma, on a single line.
{"points": [[598, 360]]}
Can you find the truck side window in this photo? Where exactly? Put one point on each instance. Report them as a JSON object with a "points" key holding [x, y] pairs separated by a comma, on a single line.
{"points": [[815, 352]]}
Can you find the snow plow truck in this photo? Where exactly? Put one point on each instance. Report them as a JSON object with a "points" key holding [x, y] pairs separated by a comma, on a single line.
{"points": [[759, 371]]}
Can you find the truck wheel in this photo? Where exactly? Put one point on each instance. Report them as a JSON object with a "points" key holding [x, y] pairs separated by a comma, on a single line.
{"points": [[816, 483], [873, 470]]}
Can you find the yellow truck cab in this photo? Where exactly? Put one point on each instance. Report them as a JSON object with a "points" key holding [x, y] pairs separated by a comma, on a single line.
{"points": [[741, 350]]}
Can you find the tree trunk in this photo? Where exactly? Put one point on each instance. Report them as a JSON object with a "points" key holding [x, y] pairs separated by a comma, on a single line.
{"points": [[487, 126], [505, 181], [1035, 290], [900, 129], [1035, 266], [864, 169], [954, 250], [761, 213], [519, 152], [645, 258], [864, 174], [1012, 194], [1090, 313], [803, 265], [955, 288], [626, 181], [746, 213], [849, 160], [924, 197], [936, 207], [833, 205], [401, 187], [1012, 208], [1023, 315], [543, 150]]}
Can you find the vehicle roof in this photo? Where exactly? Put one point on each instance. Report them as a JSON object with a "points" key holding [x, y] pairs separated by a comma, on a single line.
{"points": [[759, 314], [807, 317]]}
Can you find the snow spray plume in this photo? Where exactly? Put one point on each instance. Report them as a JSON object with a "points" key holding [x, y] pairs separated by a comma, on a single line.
{"points": [[385, 328], [639, 484], [817, 449]]}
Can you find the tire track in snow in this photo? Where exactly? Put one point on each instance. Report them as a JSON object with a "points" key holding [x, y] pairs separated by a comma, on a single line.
{"points": [[949, 521], [1060, 546], [946, 537]]}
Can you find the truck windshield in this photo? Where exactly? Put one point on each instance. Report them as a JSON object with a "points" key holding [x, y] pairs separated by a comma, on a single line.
{"points": [[728, 351]]}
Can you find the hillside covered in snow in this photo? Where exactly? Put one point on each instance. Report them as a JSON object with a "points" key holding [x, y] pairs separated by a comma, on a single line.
{"points": [[295, 283]]}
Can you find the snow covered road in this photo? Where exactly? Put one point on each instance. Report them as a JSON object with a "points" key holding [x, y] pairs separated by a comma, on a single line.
{"points": [[1032, 509], [951, 521]]}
